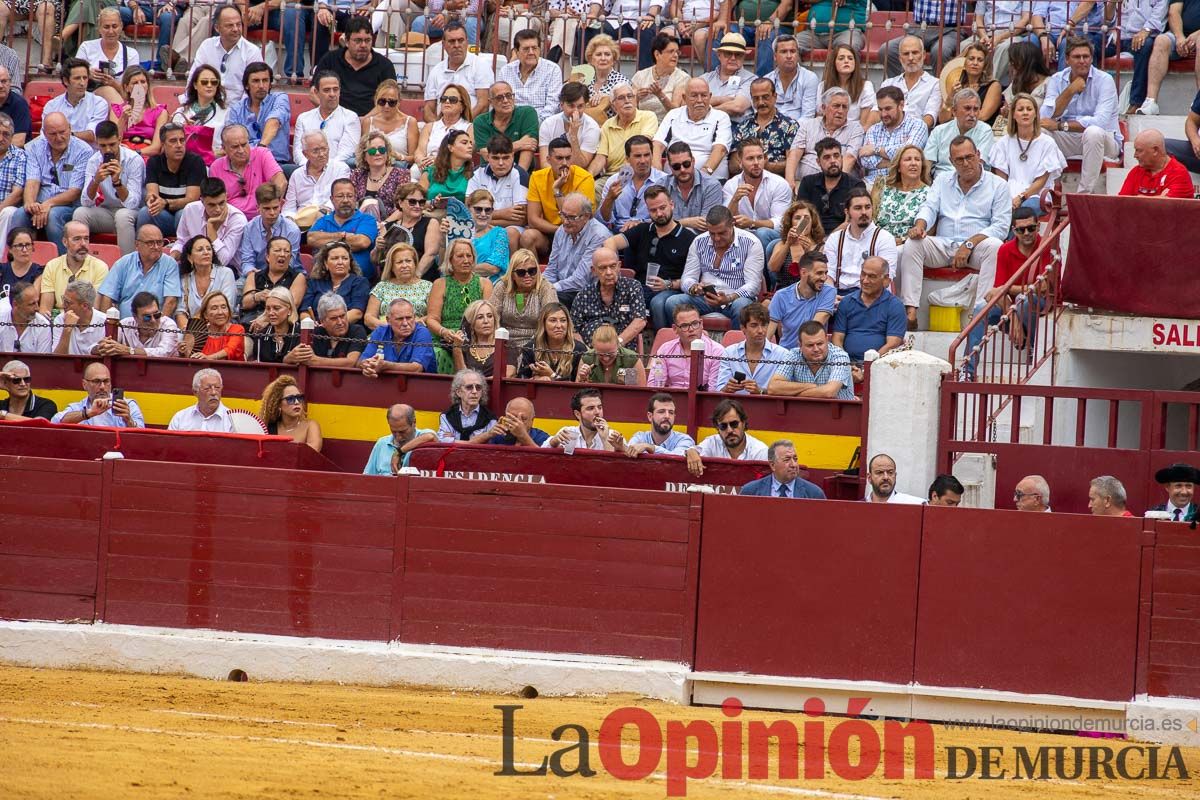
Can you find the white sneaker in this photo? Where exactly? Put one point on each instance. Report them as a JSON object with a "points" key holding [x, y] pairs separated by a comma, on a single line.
{"points": [[1149, 108]]}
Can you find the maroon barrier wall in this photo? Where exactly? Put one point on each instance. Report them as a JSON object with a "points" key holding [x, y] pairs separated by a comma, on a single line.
{"points": [[1069, 470], [49, 529], [1043, 603], [808, 588], [1174, 657]]}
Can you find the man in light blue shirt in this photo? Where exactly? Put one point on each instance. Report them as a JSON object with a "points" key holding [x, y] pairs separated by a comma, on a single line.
{"points": [[810, 297], [147, 269], [966, 122], [1080, 113], [624, 203], [404, 438], [972, 210], [83, 109], [258, 233], [746, 367], [819, 368], [99, 408], [569, 269], [267, 115], [662, 438], [55, 172]]}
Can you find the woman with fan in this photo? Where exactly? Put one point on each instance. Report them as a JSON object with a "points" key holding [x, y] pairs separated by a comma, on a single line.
{"points": [[200, 276], [448, 174], [281, 330], [218, 339], [138, 120], [285, 413], [448, 300]]}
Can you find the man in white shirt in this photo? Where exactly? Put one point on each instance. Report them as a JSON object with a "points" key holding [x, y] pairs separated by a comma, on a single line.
{"points": [[460, 67], [757, 197], [229, 52], [662, 438], [881, 483], [79, 327], [697, 124], [83, 109], [309, 188], [1032, 493], [1080, 113], [22, 328], [861, 238], [580, 129], [340, 125], [922, 91], [209, 414], [112, 188], [592, 432], [732, 439], [148, 332]]}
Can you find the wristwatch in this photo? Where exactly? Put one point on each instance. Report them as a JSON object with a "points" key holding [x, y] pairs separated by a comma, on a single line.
{"points": [[1063, 126], [969, 244]]}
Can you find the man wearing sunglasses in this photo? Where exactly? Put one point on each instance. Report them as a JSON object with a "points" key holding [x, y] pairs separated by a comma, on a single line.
{"points": [[460, 66], [732, 439], [148, 332], [693, 192], [21, 402], [340, 125], [80, 327], [519, 124]]}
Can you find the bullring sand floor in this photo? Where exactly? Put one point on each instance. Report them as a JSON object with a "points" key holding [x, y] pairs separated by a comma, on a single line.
{"points": [[75, 734]]}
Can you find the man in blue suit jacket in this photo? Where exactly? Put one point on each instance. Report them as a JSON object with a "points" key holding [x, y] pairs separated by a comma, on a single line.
{"points": [[784, 480]]}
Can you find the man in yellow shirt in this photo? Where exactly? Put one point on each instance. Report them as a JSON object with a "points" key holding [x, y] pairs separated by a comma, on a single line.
{"points": [[547, 187], [628, 121], [76, 264]]}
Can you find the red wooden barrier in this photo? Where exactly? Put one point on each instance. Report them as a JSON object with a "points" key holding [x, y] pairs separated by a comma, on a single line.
{"points": [[49, 530], [1174, 668], [1043, 603], [808, 588]]}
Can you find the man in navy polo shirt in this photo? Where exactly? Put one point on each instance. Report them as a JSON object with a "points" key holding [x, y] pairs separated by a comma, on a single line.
{"points": [[870, 317], [516, 426], [13, 104], [403, 345]]}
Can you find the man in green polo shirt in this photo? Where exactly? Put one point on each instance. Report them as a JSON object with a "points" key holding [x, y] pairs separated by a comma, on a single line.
{"points": [[518, 123]]}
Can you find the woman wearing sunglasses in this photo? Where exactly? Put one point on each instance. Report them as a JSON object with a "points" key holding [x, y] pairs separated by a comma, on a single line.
{"points": [[451, 295], [376, 181], [286, 414], [519, 299], [386, 117], [468, 418], [202, 114], [451, 169], [454, 114], [491, 241], [413, 227]]}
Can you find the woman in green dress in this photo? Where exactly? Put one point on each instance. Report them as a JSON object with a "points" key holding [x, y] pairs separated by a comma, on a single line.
{"points": [[898, 197], [458, 287]]}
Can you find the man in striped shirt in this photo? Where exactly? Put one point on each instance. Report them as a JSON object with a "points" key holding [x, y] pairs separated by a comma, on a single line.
{"points": [[724, 269]]}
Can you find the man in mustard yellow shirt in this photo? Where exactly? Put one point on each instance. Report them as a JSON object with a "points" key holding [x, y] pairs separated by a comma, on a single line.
{"points": [[76, 264], [547, 187]]}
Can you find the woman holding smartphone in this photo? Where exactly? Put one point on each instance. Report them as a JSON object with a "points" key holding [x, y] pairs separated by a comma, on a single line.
{"points": [[802, 233], [108, 56]]}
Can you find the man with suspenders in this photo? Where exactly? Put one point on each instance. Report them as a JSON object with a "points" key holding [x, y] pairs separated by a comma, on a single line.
{"points": [[857, 241]]}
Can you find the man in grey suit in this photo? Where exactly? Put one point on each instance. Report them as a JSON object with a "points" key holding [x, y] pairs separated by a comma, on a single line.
{"points": [[784, 480]]}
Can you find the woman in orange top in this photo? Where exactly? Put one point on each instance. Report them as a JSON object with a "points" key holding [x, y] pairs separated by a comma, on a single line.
{"points": [[220, 339]]}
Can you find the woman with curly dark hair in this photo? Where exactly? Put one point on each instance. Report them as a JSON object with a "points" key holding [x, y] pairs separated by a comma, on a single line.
{"points": [[802, 233], [285, 413]]}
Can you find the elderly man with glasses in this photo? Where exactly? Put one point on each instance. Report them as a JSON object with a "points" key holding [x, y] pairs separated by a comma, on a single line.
{"points": [[22, 403], [147, 269], [1032, 494], [104, 406], [209, 414], [519, 124]]}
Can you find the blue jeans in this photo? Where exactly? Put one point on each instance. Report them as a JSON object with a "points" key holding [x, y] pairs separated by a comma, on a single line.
{"points": [[764, 55], [294, 33], [732, 311], [657, 303], [166, 25], [56, 220], [165, 221], [1028, 309], [1141, 66], [421, 25]]}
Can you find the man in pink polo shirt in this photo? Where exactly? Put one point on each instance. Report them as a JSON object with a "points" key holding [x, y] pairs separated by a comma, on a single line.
{"points": [[244, 168], [671, 367]]}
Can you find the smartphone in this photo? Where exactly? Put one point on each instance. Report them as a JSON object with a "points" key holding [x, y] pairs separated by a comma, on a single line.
{"points": [[110, 157], [441, 202], [803, 225], [739, 376], [118, 394], [708, 288]]}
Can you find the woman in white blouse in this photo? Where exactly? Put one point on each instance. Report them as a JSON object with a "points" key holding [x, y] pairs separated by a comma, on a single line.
{"points": [[1027, 158], [108, 56], [843, 68], [454, 114]]}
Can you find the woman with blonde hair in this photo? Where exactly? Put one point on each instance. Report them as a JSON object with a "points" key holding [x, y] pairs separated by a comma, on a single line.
{"points": [[285, 413], [454, 114], [282, 328], [1028, 158], [844, 68], [604, 56], [479, 326], [802, 233], [399, 278], [899, 196], [609, 362], [553, 354], [519, 299], [401, 130], [458, 287], [376, 179], [220, 339]]}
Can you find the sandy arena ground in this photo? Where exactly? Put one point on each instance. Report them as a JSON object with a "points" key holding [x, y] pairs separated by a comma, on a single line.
{"points": [[68, 734]]}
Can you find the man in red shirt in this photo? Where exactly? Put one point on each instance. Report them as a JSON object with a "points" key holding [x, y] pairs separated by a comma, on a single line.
{"points": [[1157, 174]]}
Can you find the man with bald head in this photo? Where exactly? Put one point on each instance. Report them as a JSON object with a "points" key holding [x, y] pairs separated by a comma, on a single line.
{"points": [[707, 130], [146, 269], [610, 299], [55, 173], [100, 407], [392, 451], [1157, 173], [516, 428]]}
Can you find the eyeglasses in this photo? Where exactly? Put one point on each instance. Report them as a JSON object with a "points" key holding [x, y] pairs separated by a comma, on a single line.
{"points": [[449, 99], [294, 399], [525, 272], [573, 217], [383, 101], [22, 246], [688, 326], [376, 151], [503, 98], [730, 426], [1026, 229], [415, 201], [483, 211], [20, 380], [152, 317], [152, 242], [1018, 495], [682, 165], [473, 387]]}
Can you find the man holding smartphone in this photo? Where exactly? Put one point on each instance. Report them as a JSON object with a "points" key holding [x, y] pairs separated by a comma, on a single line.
{"points": [[103, 406], [724, 269]]}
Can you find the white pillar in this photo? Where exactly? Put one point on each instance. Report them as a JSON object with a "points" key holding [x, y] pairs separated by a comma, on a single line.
{"points": [[905, 399]]}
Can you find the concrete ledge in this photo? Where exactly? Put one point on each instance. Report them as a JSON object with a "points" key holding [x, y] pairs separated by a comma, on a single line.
{"points": [[1166, 720], [214, 654]]}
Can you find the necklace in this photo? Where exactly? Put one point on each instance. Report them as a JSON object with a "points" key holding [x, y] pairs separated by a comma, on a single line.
{"points": [[1024, 156]]}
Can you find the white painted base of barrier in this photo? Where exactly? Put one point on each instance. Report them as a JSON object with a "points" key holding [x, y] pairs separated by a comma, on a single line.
{"points": [[214, 654], [1148, 719]]}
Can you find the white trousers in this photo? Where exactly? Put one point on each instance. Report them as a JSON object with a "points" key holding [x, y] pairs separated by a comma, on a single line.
{"points": [[938, 251]]}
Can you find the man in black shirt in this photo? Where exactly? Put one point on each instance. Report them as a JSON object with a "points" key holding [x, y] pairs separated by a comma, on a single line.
{"points": [[21, 402], [657, 252], [336, 343], [360, 68], [173, 180], [13, 104], [829, 188]]}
